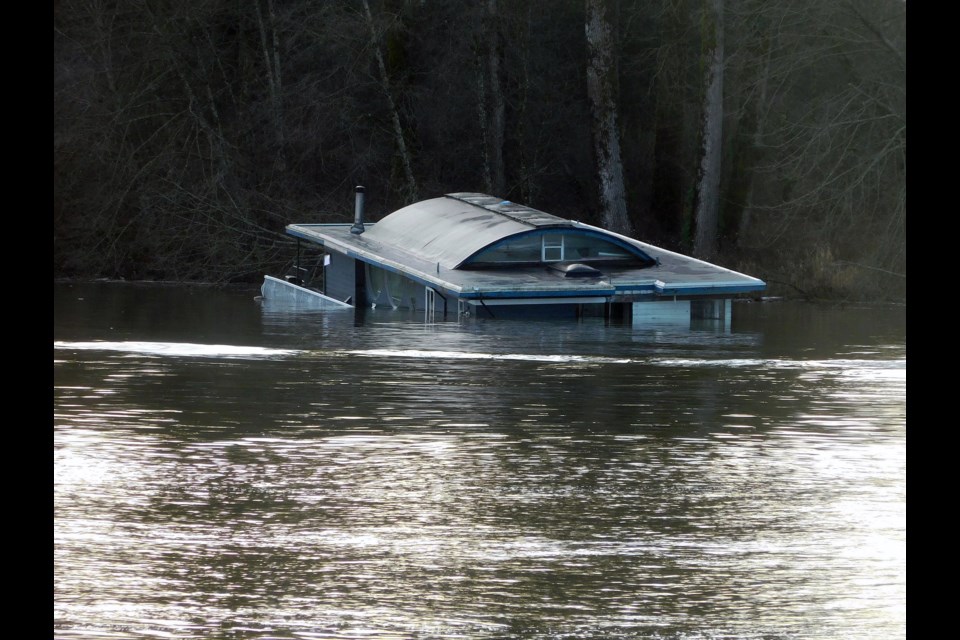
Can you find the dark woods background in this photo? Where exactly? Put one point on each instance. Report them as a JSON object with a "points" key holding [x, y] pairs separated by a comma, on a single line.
{"points": [[768, 136]]}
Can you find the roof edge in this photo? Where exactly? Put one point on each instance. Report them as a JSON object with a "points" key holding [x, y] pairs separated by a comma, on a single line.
{"points": [[517, 212]]}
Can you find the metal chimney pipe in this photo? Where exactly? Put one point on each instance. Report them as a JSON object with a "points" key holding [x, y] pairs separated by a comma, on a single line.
{"points": [[357, 227]]}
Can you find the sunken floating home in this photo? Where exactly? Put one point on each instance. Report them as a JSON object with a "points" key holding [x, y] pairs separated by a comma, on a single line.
{"points": [[471, 253]]}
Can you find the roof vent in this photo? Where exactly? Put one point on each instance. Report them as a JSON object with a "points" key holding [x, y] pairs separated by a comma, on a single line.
{"points": [[357, 227], [575, 270]]}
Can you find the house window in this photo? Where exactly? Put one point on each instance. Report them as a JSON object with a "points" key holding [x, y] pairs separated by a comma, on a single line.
{"points": [[552, 247]]}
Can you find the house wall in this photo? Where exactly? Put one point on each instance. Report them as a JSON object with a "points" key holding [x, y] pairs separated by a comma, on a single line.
{"points": [[341, 282], [388, 289], [661, 311], [705, 314], [716, 312]]}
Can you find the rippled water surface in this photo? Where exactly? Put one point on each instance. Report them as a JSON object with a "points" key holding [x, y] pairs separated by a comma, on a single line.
{"points": [[221, 471]]}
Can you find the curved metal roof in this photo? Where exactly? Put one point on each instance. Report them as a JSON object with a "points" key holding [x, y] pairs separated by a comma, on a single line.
{"points": [[450, 229]]}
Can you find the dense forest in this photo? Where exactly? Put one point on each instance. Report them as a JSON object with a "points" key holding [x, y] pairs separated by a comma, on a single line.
{"points": [[768, 136]]}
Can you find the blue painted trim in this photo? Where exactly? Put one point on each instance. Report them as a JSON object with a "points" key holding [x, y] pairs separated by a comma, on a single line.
{"points": [[710, 290], [520, 295], [638, 288]]}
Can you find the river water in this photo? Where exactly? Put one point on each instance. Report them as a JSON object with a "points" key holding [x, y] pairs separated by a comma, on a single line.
{"points": [[224, 471]]}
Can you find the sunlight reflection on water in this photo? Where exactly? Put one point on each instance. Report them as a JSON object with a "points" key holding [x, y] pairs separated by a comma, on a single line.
{"points": [[479, 481]]}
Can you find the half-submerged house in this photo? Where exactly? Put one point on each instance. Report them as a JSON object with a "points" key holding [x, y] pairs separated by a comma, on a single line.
{"points": [[478, 254]]}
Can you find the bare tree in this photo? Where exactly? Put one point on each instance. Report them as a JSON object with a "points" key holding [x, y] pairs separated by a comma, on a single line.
{"points": [[490, 102], [188, 133], [707, 217], [603, 92], [827, 181], [270, 47], [405, 157]]}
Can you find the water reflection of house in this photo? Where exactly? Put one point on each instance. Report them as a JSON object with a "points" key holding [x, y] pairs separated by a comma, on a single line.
{"points": [[470, 252]]}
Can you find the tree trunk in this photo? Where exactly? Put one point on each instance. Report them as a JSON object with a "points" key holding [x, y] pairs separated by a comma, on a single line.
{"points": [[411, 194], [496, 100], [707, 216], [521, 40], [490, 103], [603, 90], [760, 118], [271, 57]]}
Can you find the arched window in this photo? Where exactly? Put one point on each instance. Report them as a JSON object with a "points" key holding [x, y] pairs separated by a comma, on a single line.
{"points": [[544, 247]]}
